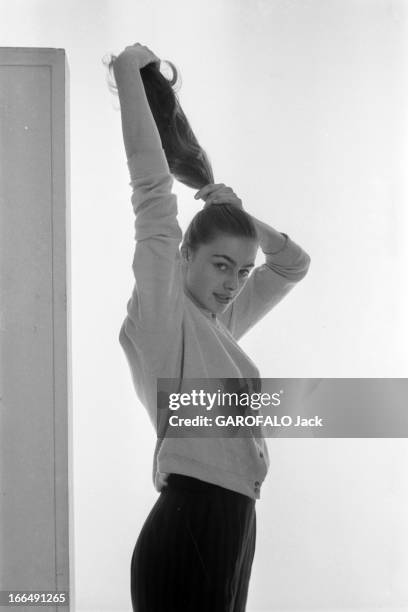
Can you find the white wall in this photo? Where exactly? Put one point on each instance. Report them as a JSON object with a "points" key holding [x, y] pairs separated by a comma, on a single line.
{"points": [[301, 107]]}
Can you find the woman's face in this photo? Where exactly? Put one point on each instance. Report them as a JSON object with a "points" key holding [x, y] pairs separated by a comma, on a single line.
{"points": [[215, 273]]}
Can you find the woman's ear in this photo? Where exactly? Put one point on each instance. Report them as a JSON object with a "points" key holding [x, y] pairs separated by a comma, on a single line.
{"points": [[185, 253]]}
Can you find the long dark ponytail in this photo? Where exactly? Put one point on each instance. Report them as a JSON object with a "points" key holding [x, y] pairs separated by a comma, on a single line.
{"points": [[187, 160]]}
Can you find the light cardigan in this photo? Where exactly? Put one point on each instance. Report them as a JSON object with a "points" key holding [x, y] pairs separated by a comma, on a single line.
{"points": [[167, 335]]}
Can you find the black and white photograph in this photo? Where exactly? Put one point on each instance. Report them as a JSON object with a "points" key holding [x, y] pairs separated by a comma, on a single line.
{"points": [[203, 305]]}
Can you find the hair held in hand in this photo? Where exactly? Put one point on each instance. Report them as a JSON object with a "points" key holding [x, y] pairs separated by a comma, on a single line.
{"points": [[187, 160]]}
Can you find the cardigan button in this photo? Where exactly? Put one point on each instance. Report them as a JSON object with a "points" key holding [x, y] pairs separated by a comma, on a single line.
{"points": [[256, 484], [261, 454]]}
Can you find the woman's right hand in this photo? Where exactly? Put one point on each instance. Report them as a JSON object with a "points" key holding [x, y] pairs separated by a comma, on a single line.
{"points": [[141, 54]]}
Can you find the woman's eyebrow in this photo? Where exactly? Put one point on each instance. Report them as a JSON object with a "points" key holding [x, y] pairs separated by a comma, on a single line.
{"points": [[250, 265]]}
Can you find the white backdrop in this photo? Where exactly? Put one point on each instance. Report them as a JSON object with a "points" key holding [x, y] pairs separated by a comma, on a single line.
{"points": [[301, 106]]}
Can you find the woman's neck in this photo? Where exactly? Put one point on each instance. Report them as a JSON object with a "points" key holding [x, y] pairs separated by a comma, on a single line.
{"points": [[197, 303]]}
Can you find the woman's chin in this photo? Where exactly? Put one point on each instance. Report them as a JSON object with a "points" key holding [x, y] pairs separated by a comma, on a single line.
{"points": [[220, 306]]}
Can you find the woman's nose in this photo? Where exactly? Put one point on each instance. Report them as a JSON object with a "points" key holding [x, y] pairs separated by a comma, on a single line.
{"points": [[231, 283]]}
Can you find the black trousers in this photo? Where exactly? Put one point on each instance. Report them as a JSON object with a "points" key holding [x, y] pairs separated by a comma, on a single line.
{"points": [[195, 550]]}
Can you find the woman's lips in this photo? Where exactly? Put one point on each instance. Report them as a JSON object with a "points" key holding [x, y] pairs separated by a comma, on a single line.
{"points": [[223, 299]]}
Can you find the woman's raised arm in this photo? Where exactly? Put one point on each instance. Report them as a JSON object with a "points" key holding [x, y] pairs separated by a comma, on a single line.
{"points": [[286, 263], [138, 125], [155, 307]]}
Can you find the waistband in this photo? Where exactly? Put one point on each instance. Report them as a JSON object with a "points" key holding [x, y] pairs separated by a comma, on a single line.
{"points": [[194, 485]]}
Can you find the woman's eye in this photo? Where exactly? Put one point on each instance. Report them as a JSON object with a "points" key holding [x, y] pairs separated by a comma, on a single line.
{"points": [[221, 266], [244, 272]]}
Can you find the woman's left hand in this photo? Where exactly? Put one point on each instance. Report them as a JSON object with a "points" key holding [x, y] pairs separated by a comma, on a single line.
{"points": [[218, 193]]}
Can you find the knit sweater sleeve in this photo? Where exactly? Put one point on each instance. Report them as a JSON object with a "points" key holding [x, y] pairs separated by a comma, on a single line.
{"points": [[266, 286], [156, 302]]}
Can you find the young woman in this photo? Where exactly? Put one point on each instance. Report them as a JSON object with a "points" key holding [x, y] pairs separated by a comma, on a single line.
{"points": [[193, 298]]}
